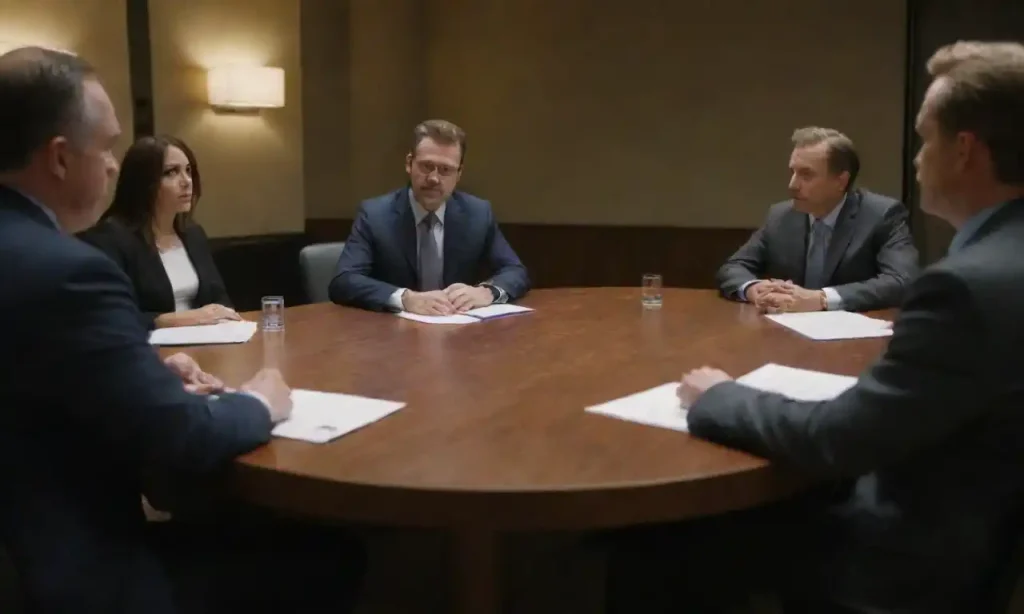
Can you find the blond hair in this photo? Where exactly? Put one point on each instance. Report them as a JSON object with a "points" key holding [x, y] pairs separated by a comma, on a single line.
{"points": [[440, 131]]}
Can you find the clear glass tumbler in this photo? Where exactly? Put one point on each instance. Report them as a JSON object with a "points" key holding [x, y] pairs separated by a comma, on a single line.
{"points": [[273, 314], [650, 291]]}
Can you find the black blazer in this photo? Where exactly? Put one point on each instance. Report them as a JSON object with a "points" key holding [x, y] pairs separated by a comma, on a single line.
{"points": [[141, 262], [870, 261], [87, 411], [931, 435]]}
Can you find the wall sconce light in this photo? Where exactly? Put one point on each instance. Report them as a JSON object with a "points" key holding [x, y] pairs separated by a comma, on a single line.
{"points": [[245, 88]]}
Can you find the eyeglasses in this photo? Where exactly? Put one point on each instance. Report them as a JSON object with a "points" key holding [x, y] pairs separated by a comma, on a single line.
{"points": [[444, 170]]}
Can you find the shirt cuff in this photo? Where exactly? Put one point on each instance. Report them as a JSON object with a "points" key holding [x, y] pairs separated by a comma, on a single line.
{"points": [[395, 302], [833, 301], [741, 294]]}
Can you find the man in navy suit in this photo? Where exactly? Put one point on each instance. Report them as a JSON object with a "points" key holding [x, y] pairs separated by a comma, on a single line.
{"points": [[87, 408], [923, 455], [427, 248]]}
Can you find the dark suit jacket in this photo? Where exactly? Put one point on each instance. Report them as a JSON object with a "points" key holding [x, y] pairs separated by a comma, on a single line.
{"points": [[86, 408], [870, 261], [380, 254], [931, 434], [141, 262]]}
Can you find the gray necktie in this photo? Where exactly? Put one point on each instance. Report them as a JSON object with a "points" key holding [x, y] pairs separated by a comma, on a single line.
{"points": [[430, 258], [816, 250]]}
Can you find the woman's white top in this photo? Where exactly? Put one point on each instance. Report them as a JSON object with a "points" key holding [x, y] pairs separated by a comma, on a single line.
{"points": [[183, 277]]}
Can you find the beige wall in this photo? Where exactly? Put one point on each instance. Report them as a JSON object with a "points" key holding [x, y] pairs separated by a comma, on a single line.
{"points": [[251, 165], [388, 90], [366, 89], [327, 172], [93, 29], [654, 112], [579, 112], [660, 112]]}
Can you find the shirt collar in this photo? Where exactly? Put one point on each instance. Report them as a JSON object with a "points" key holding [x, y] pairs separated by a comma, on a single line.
{"points": [[419, 212], [972, 226], [46, 210], [833, 216]]}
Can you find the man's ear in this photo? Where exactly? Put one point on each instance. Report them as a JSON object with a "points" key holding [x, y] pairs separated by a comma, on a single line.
{"points": [[58, 151], [967, 149], [408, 162], [845, 176]]}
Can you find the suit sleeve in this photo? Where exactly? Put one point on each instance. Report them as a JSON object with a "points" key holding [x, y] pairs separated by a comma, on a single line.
{"points": [[352, 284], [747, 264], [897, 263], [936, 359], [120, 393], [217, 291], [108, 240], [508, 272]]}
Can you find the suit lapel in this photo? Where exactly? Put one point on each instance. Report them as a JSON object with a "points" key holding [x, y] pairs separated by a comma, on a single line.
{"points": [[406, 224], [842, 235], [155, 265], [453, 227], [188, 241], [794, 224]]}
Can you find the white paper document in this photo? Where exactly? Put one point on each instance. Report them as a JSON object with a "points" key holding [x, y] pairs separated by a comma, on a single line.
{"points": [[452, 319], [659, 406], [223, 332], [833, 325], [799, 384], [470, 317], [319, 417], [496, 311]]}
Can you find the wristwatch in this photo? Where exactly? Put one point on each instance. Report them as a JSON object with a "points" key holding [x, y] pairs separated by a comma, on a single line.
{"points": [[495, 293]]}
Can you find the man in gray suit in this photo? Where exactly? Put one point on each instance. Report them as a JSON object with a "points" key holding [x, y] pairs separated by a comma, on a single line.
{"points": [[830, 246], [925, 451]]}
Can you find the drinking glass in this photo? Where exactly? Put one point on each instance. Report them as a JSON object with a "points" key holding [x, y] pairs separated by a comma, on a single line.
{"points": [[650, 291], [273, 313]]}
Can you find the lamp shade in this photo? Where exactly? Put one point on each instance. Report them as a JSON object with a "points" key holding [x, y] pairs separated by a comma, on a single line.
{"points": [[246, 87]]}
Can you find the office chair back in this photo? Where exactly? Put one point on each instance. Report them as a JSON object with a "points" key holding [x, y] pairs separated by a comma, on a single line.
{"points": [[317, 262]]}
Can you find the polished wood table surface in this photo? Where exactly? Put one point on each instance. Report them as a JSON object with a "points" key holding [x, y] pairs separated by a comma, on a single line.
{"points": [[495, 437]]}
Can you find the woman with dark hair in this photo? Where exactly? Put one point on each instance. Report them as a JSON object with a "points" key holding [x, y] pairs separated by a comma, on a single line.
{"points": [[148, 231]]}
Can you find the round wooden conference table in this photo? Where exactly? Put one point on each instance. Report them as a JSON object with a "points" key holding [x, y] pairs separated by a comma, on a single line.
{"points": [[494, 437]]}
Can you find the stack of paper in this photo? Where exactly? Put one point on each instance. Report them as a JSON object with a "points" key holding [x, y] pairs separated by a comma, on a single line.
{"points": [[470, 317], [319, 417], [661, 407], [832, 325], [223, 332]]}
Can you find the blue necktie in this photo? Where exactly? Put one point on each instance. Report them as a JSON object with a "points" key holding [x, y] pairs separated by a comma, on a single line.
{"points": [[430, 257], [816, 250]]}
